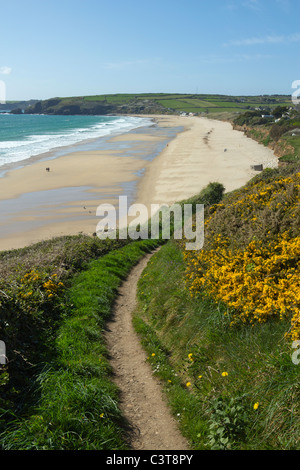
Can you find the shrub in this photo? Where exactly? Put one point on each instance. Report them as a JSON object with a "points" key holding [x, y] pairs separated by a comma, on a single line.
{"points": [[251, 254]]}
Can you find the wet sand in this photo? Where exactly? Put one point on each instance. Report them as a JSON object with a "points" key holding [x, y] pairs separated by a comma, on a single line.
{"points": [[166, 163]]}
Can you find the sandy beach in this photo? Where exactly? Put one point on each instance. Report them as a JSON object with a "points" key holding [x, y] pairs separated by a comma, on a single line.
{"points": [[207, 151], [36, 204]]}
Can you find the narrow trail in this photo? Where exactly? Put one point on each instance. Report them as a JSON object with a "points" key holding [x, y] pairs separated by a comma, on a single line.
{"points": [[142, 402]]}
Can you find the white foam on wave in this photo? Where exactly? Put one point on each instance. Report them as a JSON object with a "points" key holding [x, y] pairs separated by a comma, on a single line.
{"points": [[19, 150]]}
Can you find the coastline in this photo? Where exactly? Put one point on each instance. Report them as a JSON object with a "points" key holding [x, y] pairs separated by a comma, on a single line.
{"points": [[207, 151], [164, 163]]}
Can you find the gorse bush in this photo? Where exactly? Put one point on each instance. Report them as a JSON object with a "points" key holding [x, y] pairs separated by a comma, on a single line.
{"points": [[210, 195], [251, 254], [56, 388], [33, 284], [258, 283], [215, 323], [224, 318]]}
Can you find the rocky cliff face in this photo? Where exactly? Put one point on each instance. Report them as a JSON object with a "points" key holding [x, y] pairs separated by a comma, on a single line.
{"points": [[17, 106], [81, 106]]}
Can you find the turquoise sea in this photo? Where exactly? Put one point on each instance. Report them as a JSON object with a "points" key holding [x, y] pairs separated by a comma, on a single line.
{"points": [[25, 139], [24, 136]]}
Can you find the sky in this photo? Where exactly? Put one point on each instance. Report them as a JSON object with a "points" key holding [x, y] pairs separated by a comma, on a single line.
{"points": [[62, 48]]}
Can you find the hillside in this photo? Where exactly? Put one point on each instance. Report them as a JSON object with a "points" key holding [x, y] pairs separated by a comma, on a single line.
{"points": [[16, 105], [160, 103], [280, 131], [218, 326]]}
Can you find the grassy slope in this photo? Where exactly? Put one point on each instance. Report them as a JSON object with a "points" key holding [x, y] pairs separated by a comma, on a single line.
{"points": [[220, 106], [59, 394], [257, 361], [198, 103], [283, 137], [194, 345], [59, 359]]}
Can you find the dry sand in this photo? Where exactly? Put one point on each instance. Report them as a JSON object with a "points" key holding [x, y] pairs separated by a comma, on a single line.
{"points": [[207, 151], [191, 160]]}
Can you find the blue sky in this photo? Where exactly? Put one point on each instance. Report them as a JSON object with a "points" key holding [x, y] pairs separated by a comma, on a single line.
{"points": [[86, 47]]}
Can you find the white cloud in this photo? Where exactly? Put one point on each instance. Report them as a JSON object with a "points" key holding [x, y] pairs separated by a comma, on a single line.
{"points": [[257, 5], [5, 70], [271, 39], [231, 6], [294, 37], [122, 65], [221, 59], [118, 65], [252, 4], [284, 4]]}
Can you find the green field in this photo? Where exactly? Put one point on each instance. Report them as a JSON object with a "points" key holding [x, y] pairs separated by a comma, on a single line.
{"points": [[188, 103], [220, 106]]}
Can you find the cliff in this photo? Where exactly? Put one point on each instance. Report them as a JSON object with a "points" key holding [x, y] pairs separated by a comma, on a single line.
{"points": [[16, 107], [90, 106]]}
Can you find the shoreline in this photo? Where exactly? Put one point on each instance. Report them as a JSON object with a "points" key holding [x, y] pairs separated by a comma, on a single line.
{"points": [[37, 205], [207, 151], [164, 163], [91, 143]]}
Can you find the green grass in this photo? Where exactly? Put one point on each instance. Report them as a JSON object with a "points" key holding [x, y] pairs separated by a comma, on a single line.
{"points": [[57, 339], [194, 343], [74, 405], [169, 103], [257, 360], [57, 393], [294, 142]]}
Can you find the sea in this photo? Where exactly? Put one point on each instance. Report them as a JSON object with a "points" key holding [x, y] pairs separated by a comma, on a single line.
{"points": [[23, 136]]}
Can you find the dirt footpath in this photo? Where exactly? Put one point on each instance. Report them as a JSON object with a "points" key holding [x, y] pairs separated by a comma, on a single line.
{"points": [[142, 403]]}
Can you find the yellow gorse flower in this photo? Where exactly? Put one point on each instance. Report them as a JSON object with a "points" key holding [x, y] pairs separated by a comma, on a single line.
{"points": [[31, 276], [52, 287], [261, 280]]}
